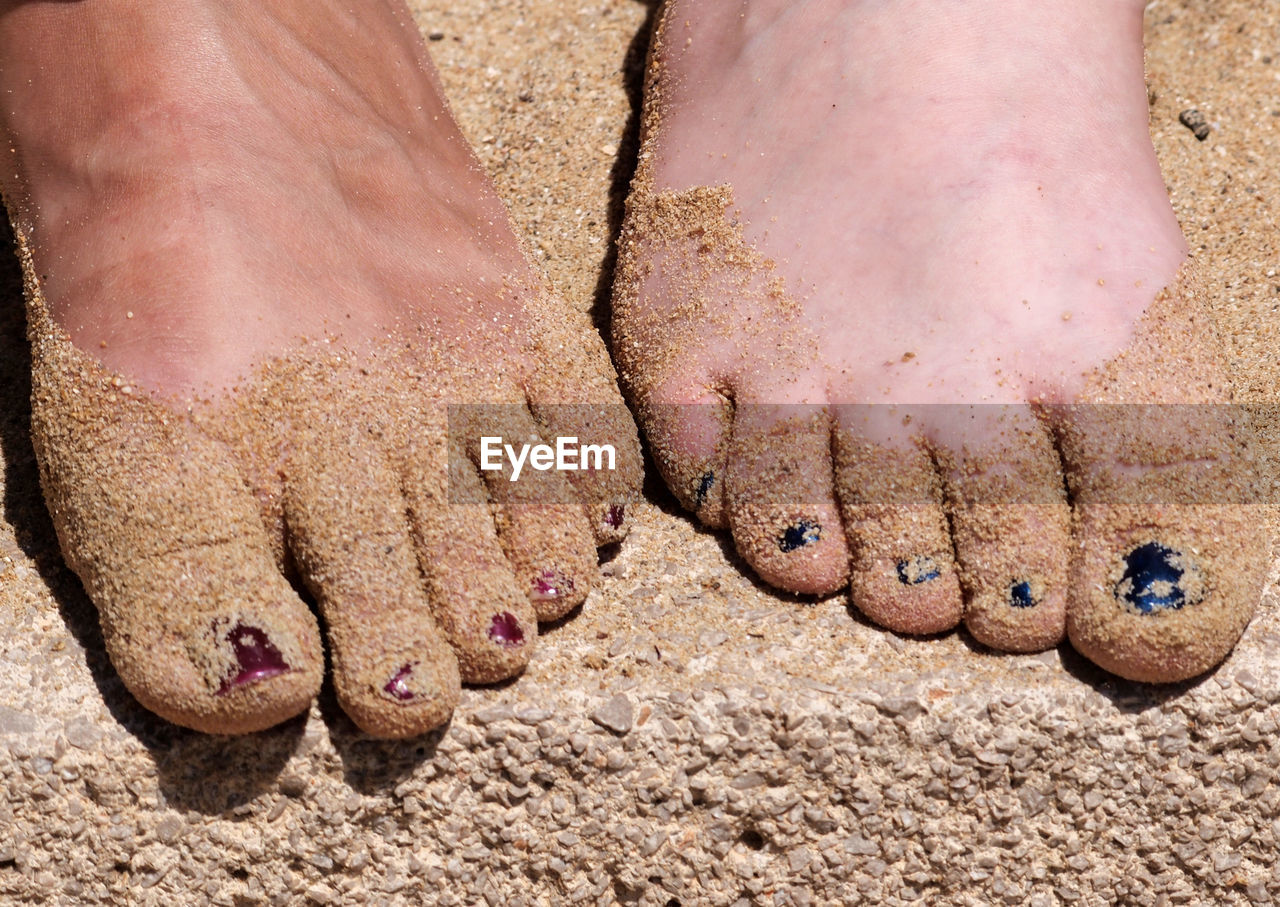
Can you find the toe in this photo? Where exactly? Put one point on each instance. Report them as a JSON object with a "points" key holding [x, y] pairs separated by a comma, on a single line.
{"points": [[393, 669], [1171, 552], [573, 393], [1170, 560], [541, 525], [781, 497], [688, 429], [487, 616], [1010, 523], [902, 571], [167, 539]]}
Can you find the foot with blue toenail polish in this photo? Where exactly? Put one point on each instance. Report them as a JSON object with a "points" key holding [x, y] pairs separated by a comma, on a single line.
{"points": [[935, 338]]}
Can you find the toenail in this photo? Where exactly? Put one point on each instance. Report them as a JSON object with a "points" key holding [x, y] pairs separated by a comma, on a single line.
{"points": [[398, 687], [916, 570], [805, 532], [1021, 595], [1157, 578], [704, 488], [505, 630], [256, 657], [614, 515], [551, 584]]}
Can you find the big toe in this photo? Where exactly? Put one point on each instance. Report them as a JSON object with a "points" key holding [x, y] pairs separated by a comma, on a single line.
{"points": [[1170, 557], [197, 618], [1170, 546]]}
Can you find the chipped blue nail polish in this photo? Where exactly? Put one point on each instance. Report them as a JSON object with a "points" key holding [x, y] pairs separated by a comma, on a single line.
{"points": [[1021, 596], [916, 570], [1154, 579], [704, 488], [804, 532]]}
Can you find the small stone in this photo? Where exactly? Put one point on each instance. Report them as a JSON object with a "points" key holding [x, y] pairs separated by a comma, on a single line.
{"points": [[860, 846], [615, 715], [82, 733], [1195, 121], [168, 829], [320, 894], [904, 706], [13, 721], [533, 716], [494, 713]]}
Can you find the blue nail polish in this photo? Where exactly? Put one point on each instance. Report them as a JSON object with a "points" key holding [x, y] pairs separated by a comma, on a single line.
{"points": [[704, 488], [804, 532], [916, 570], [1154, 579], [1021, 596]]}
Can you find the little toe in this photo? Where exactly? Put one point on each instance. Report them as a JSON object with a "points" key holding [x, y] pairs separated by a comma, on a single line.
{"points": [[902, 570], [688, 429], [200, 624], [1010, 523], [487, 616], [393, 669], [573, 393], [781, 498], [541, 525], [1170, 560]]}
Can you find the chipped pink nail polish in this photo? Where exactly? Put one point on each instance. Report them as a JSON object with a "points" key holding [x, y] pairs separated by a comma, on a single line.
{"points": [[255, 655], [397, 687], [615, 515], [551, 584], [505, 630]]}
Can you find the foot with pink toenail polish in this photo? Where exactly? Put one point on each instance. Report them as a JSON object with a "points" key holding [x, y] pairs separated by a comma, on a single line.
{"points": [[262, 264]]}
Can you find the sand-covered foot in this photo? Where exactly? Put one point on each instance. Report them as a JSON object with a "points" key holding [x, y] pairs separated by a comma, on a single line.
{"points": [[274, 304], [891, 284]]}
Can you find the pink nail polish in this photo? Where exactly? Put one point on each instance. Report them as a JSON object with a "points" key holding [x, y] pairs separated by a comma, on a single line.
{"points": [[505, 630], [255, 655], [551, 584], [397, 687]]}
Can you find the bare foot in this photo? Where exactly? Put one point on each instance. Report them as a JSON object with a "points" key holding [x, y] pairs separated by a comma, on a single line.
{"points": [[263, 265], [868, 243]]}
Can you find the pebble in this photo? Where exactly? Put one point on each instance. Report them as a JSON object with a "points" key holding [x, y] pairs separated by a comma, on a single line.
{"points": [[616, 715], [1195, 121]]}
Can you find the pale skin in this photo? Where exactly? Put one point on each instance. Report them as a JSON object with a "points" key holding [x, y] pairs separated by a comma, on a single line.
{"points": [[926, 205]]}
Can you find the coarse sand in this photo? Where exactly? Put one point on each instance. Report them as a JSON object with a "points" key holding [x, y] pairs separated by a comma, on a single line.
{"points": [[689, 736]]}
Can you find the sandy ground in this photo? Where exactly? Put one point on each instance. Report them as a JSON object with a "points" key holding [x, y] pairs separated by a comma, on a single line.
{"points": [[690, 737]]}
